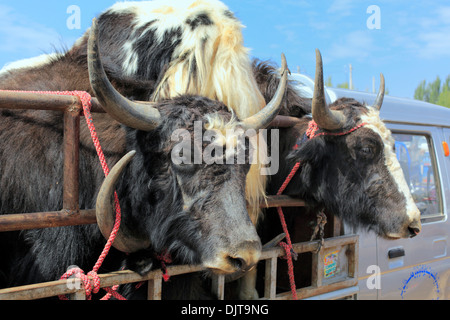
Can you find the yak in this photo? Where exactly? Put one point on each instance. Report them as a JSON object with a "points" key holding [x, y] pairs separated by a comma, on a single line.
{"points": [[348, 165], [196, 212], [157, 50]]}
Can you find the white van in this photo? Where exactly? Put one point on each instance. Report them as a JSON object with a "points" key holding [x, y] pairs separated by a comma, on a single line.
{"points": [[416, 268]]}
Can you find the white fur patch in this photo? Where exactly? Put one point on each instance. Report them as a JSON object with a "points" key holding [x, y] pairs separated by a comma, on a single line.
{"points": [[223, 66], [29, 63], [372, 118]]}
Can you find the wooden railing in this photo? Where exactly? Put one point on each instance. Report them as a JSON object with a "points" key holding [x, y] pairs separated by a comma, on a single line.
{"points": [[71, 215], [347, 278]]}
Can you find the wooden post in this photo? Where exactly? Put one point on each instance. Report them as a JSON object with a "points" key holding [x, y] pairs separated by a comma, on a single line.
{"points": [[154, 291], [218, 287], [270, 285]]}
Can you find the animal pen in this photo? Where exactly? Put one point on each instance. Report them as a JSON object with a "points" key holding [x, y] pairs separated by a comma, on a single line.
{"points": [[324, 269]]}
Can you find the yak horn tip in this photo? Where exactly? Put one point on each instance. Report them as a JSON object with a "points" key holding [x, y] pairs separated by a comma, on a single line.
{"points": [[380, 97], [130, 155], [318, 54], [284, 66], [283, 60]]}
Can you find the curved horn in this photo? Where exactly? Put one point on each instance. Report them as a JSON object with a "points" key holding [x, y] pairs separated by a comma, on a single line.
{"points": [[264, 117], [141, 116], [380, 97], [324, 117], [124, 241]]}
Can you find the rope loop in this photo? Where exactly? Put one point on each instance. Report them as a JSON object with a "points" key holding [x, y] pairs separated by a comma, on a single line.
{"points": [[95, 280]]}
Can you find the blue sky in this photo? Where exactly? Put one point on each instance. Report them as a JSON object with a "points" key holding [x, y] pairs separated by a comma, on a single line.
{"points": [[412, 43]]}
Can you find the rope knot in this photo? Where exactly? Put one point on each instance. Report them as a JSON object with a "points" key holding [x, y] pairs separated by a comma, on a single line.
{"points": [[312, 129], [165, 258], [95, 281], [79, 274]]}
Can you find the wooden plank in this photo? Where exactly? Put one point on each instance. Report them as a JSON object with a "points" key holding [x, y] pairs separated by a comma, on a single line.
{"points": [[154, 291], [270, 283], [54, 288], [79, 295], [282, 201], [218, 287], [71, 160], [28, 221], [37, 291], [314, 291], [353, 260], [40, 220], [317, 269], [39, 101]]}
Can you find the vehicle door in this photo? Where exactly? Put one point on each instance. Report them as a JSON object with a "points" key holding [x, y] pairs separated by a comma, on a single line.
{"points": [[419, 268]]}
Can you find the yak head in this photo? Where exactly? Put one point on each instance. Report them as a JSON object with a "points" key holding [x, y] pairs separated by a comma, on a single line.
{"points": [[194, 210], [350, 166]]}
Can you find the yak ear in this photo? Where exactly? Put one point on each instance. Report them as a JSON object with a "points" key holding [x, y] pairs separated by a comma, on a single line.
{"points": [[311, 151]]}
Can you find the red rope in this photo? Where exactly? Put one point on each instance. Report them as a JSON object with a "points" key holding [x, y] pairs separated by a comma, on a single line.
{"points": [[92, 275], [311, 133], [313, 128], [288, 247], [86, 103], [165, 258]]}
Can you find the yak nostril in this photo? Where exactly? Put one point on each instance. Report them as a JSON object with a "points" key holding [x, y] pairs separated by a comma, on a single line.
{"points": [[413, 231], [238, 263]]}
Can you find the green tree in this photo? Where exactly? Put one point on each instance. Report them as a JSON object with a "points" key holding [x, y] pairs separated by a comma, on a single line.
{"points": [[446, 85], [444, 99], [343, 85], [444, 96], [420, 92], [435, 90]]}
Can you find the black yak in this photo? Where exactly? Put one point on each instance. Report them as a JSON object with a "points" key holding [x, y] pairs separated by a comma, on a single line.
{"points": [[348, 165], [196, 212]]}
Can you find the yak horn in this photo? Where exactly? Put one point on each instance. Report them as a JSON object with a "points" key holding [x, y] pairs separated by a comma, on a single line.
{"points": [[125, 241], [380, 97], [324, 117], [141, 116], [264, 117]]}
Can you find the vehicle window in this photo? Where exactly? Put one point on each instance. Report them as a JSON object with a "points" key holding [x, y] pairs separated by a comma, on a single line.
{"points": [[419, 168]]}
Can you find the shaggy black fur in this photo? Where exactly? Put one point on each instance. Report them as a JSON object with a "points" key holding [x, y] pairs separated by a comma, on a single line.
{"points": [[31, 180], [345, 175]]}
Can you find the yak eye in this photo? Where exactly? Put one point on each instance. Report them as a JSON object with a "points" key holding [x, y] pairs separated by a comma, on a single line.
{"points": [[366, 152]]}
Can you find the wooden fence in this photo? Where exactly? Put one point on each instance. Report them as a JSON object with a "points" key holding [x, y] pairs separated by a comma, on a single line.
{"points": [[71, 215]]}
